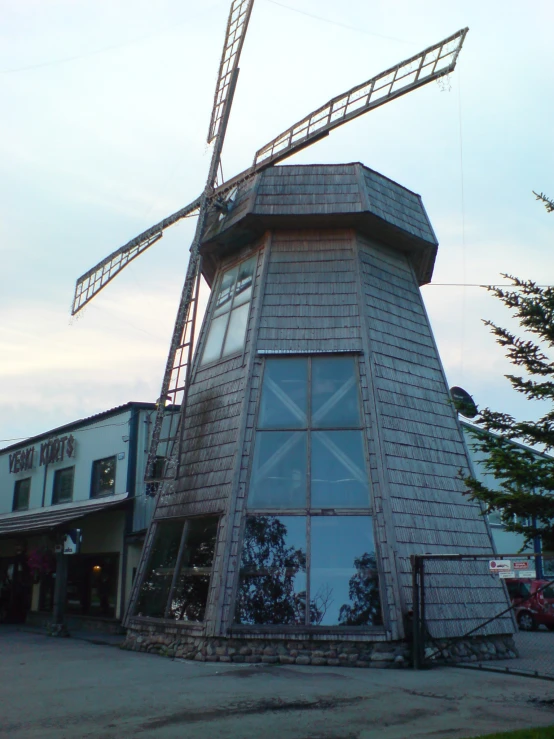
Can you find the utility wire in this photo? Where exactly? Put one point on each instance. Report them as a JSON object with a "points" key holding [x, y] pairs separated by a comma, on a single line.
{"points": [[337, 23], [472, 284]]}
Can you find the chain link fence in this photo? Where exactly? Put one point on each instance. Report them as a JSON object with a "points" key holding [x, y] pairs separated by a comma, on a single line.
{"points": [[484, 612]]}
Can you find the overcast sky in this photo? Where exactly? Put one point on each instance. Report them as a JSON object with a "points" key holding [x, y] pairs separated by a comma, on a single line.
{"points": [[105, 111]]}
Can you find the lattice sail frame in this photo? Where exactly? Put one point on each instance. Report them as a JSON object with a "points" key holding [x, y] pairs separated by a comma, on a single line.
{"points": [[89, 284], [432, 63], [237, 25]]}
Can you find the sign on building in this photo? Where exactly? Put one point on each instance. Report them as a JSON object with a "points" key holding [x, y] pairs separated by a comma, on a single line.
{"points": [[500, 565]]}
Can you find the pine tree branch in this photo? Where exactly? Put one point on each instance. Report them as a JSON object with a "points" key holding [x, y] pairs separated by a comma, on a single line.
{"points": [[548, 203]]}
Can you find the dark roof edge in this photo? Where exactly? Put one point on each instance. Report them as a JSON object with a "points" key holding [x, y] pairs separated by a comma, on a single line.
{"points": [[88, 421]]}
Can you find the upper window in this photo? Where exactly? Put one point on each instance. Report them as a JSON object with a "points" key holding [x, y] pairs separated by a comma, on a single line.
{"points": [[63, 485], [103, 477], [309, 449], [177, 578], [21, 493], [230, 314]]}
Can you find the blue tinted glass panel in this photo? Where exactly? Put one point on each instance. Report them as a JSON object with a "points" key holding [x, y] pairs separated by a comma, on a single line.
{"points": [[226, 291], [344, 585], [334, 392], [279, 470], [339, 476], [272, 587], [284, 400]]}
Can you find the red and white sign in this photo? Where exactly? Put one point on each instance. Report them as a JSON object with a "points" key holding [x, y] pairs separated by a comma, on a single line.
{"points": [[521, 565], [500, 565]]}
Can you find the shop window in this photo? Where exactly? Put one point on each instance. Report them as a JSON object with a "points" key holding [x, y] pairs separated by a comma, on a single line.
{"points": [[21, 494], [178, 573], [92, 584], [62, 491], [103, 477], [229, 318], [308, 555]]}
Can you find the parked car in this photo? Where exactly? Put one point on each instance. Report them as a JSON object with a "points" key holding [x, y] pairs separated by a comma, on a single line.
{"points": [[533, 601]]}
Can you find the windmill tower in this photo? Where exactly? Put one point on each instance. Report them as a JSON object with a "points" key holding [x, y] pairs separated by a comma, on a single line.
{"points": [[316, 447]]}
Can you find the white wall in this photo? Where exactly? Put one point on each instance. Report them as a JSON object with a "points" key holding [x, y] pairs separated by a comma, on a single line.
{"points": [[95, 441]]}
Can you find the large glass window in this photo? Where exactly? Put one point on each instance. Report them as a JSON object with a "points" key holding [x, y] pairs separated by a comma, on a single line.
{"points": [[103, 477], [308, 555], [21, 494], [63, 485], [309, 449], [177, 579], [230, 313], [337, 585]]}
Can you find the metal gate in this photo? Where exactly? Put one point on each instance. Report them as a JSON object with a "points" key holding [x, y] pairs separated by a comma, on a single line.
{"points": [[512, 632]]}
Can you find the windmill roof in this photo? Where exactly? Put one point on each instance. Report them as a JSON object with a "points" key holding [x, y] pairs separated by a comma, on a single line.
{"points": [[326, 195]]}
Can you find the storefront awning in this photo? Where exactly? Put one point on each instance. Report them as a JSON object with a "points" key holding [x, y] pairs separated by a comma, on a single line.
{"points": [[40, 520]]}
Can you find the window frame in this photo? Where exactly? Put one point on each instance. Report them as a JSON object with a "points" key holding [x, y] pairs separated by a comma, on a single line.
{"points": [[16, 486], [200, 365], [57, 475], [166, 618], [308, 430], [94, 495], [309, 512]]}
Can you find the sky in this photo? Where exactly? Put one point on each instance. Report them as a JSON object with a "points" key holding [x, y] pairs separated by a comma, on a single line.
{"points": [[105, 112]]}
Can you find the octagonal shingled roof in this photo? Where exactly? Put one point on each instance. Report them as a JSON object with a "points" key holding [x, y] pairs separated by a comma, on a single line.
{"points": [[324, 196]]}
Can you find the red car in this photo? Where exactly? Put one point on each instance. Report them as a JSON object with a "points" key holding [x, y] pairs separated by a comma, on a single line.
{"points": [[534, 602]]}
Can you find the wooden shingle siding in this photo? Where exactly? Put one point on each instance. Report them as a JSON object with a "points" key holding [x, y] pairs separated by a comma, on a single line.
{"points": [[307, 264], [214, 408], [422, 444], [327, 282], [397, 205]]}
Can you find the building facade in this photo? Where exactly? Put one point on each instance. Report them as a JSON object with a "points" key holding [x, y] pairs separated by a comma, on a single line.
{"points": [[321, 449], [85, 476], [505, 542]]}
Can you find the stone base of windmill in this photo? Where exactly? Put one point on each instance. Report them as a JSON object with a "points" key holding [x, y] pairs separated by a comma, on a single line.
{"points": [[172, 642]]}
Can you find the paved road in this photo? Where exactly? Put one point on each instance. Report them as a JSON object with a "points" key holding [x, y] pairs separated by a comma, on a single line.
{"points": [[72, 689]]}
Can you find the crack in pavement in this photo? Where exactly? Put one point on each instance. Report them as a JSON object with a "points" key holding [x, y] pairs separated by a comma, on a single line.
{"points": [[248, 708]]}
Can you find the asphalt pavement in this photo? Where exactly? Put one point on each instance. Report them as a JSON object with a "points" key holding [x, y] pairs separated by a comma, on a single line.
{"points": [[71, 688]]}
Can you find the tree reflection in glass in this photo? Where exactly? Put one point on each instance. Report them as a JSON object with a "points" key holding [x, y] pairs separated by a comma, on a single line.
{"points": [[154, 591], [344, 570], [272, 588], [192, 585]]}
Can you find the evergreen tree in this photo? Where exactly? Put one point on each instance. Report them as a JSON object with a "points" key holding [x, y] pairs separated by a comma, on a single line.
{"points": [[525, 497]]}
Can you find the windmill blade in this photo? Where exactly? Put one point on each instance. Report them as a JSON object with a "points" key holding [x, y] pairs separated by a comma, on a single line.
{"points": [[239, 15], [90, 284], [430, 64]]}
